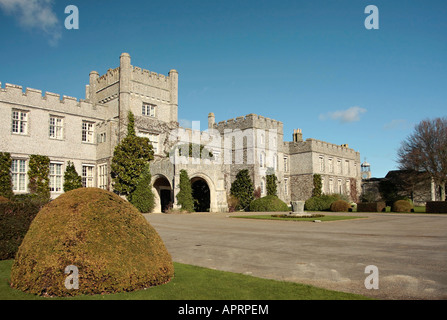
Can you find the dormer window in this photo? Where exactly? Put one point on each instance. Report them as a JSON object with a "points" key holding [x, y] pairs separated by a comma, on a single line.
{"points": [[148, 110]]}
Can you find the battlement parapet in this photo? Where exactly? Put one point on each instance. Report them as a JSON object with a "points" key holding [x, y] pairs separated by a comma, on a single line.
{"points": [[112, 76], [250, 121], [150, 78], [33, 98], [331, 148]]}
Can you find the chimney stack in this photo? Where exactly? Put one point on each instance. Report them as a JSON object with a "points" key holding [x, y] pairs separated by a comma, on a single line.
{"points": [[297, 135], [211, 120]]}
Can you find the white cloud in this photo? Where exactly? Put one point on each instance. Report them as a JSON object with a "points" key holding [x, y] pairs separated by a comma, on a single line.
{"points": [[345, 116], [35, 15]]}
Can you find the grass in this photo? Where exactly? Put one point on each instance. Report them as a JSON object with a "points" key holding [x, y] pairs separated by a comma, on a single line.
{"points": [[291, 218], [197, 283]]}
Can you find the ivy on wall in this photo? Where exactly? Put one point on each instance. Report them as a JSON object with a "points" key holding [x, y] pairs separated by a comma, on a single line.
{"points": [[39, 176], [5, 175]]}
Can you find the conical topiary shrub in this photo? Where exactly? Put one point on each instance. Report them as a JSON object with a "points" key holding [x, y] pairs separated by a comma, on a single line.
{"points": [[110, 243]]}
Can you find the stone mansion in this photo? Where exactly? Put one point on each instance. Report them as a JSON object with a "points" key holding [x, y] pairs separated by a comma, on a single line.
{"points": [[86, 132]]}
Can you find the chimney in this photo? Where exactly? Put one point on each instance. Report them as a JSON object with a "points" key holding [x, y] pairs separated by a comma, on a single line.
{"points": [[211, 120], [297, 135]]}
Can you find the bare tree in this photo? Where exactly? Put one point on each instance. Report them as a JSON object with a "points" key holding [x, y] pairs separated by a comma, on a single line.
{"points": [[426, 150]]}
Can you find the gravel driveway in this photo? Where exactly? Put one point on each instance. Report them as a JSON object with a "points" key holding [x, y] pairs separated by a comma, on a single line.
{"points": [[409, 250]]}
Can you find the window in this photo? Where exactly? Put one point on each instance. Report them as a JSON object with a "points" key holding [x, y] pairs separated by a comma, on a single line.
{"points": [[55, 177], [322, 186], [346, 168], [331, 165], [20, 122], [148, 110], [348, 187], [321, 162], [87, 131], [262, 160], [338, 166], [262, 186], [339, 187], [286, 186], [331, 185], [286, 164], [102, 137], [153, 138], [56, 127], [103, 177], [87, 176], [18, 174]]}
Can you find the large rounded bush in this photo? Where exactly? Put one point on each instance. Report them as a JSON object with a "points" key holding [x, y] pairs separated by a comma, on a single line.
{"points": [[320, 203], [111, 244], [401, 206], [269, 203], [340, 206]]}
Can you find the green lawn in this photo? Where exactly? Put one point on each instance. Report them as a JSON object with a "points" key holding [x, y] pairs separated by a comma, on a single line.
{"points": [[291, 218], [196, 283]]}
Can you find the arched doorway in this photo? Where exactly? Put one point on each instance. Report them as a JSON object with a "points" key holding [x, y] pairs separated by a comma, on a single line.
{"points": [[201, 194], [163, 196]]}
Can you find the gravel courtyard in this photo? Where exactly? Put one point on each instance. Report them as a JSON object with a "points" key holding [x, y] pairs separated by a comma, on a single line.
{"points": [[409, 250]]}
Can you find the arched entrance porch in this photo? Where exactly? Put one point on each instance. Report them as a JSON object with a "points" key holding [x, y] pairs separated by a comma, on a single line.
{"points": [[163, 194]]}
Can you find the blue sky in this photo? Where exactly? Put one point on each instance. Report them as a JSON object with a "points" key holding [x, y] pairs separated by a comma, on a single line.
{"points": [[310, 64]]}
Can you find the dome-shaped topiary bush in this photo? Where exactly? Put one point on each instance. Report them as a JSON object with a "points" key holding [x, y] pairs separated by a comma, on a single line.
{"points": [[268, 203], [340, 206], [110, 243], [401, 206]]}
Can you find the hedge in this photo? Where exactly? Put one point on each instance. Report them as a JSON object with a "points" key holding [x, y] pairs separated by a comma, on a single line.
{"points": [[110, 242], [371, 207], [268, 203], [402, 206], [321, 203], [436, 207], [15, 219], [340, 206]]}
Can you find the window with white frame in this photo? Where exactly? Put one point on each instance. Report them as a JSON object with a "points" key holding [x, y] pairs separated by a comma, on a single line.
{"points": [[148, 110], [348, 187], [101, 137], [262, 186], [286, 164], [18, 175], [323, 189], [286, 186], [339, 166], [331, 185], [321, 163], [262, 159], [87, 175], [20, 122], [56, 127], [346, 167], [103, 180], [56, 177], [331, 165], [153, 138], [88, 130], [339, 187]]}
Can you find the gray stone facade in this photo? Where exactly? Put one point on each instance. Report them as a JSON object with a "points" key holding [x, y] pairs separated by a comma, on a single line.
{"points": [[86, 132]]}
